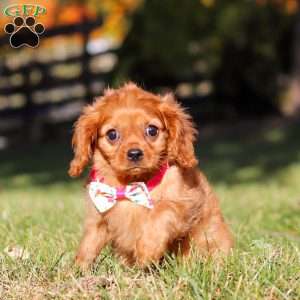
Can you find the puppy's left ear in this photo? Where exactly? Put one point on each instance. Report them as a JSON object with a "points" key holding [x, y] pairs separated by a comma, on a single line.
{"points": [[182, 133], [85, 134]]}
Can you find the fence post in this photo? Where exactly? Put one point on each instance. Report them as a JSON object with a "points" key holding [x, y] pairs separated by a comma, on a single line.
{"points": [[86, 74], [295, 101]]}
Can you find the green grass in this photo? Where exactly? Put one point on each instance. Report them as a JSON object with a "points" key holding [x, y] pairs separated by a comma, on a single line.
{"points": [[256, 176]]}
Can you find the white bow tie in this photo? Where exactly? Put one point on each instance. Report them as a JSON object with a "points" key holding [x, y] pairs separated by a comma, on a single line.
{"points": [[105, 197]]}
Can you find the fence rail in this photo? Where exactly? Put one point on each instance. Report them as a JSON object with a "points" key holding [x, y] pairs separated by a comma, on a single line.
{"points": [[51, 98], [84, 27], [30, 107]]}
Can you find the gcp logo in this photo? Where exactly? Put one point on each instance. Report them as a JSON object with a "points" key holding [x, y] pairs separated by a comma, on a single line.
{"points": [[24, 30]]}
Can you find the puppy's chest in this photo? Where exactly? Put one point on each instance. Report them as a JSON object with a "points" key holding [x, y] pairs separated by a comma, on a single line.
{"points": [[128, 218], [125, 224]]}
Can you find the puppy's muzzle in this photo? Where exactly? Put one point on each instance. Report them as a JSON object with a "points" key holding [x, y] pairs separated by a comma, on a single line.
{"points": [[135, 155]]}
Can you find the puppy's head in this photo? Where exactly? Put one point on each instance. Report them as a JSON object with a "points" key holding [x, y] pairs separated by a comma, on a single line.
{"points": [[134, 132]]}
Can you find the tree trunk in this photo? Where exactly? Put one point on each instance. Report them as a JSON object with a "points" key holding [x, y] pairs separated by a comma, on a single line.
{"points": [[295, 95]]}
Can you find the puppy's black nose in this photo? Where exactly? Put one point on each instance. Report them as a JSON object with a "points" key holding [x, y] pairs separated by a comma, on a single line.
{"points": [[135, 154]]}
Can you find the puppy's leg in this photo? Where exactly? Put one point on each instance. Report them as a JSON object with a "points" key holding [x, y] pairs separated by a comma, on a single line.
{"points": [[211, 237], [159, 230], [95, 237]]}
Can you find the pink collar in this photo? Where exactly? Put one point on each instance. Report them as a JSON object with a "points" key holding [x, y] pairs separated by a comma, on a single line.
{"points": [[151, 183]]}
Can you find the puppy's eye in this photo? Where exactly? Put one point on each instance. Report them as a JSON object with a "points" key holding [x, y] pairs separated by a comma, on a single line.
{"points": [[151, 131], [112, 135]]}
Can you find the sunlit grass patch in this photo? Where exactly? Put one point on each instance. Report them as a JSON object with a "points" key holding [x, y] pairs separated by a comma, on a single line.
{"points": [[257, 180]]}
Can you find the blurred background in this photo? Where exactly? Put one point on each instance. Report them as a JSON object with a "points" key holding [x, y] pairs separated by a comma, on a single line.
{"points": [[234, 64]]}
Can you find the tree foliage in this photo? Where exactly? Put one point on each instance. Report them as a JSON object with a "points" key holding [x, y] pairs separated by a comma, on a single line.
{"points": [[241, 46]]}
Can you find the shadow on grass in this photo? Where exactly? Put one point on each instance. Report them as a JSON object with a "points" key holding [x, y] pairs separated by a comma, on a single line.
{"points": [[226, 158], [256, 154], [29, 165]]}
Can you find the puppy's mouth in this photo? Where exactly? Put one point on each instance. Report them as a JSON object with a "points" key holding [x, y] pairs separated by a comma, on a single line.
{"points": [[139, 171], [136, 170]]}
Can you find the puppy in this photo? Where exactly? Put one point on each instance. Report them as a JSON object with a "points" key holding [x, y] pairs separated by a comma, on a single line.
{"points": [[146, 195]]}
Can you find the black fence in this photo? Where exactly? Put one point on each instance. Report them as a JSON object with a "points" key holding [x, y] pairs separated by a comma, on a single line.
{"points": [[33, 94], [34, 97]]}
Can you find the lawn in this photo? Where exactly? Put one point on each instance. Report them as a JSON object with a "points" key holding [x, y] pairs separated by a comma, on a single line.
{"points": [[254, 171]]}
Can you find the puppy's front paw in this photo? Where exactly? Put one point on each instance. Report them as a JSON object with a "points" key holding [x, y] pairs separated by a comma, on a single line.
{"points": [[83, 263], [148, 252]]}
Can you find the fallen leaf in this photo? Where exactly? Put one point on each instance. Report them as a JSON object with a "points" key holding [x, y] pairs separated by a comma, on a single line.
{"points": [[17, 252]]}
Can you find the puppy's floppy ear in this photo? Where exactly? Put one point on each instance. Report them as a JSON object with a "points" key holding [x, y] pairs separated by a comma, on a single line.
{"points": [[84, 135], [181, 132]]}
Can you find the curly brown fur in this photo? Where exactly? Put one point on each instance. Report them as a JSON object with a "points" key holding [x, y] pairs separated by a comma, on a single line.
{"points": [[185, 208]]}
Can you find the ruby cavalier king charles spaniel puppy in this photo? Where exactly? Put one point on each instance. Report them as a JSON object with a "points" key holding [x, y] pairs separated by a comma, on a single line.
{"points": [[145, 194]]}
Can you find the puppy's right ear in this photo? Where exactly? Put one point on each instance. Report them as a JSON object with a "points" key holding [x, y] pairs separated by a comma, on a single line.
{"points": [[182, 133], [83, 138]]}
